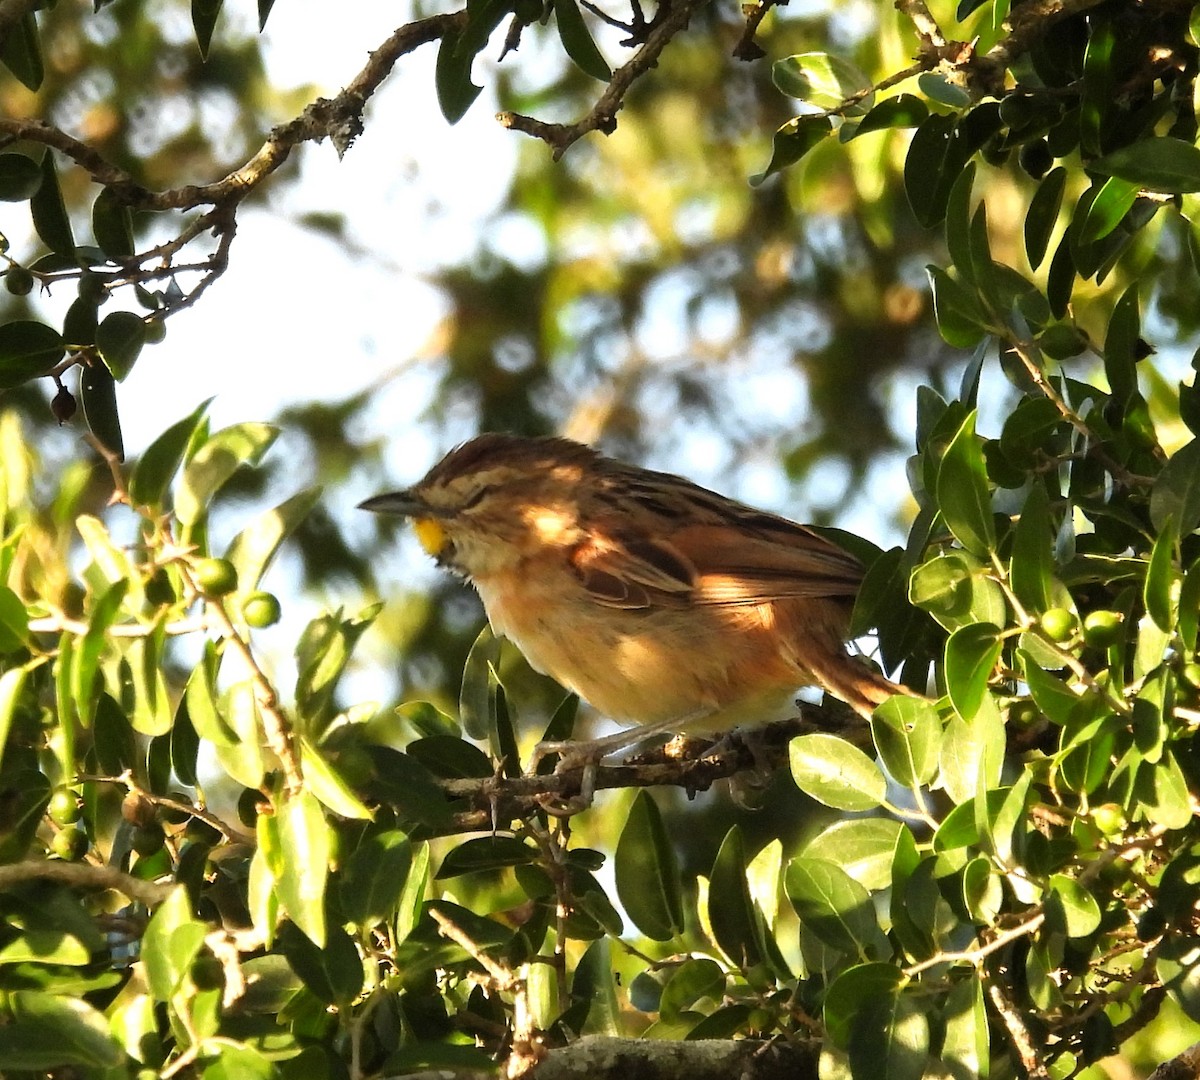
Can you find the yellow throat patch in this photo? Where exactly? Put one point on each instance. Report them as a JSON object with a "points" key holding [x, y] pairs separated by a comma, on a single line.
{"points": [[431, 534]]}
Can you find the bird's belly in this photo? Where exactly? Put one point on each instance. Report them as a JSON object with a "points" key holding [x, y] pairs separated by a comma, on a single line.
{"points": [[701, 666]]}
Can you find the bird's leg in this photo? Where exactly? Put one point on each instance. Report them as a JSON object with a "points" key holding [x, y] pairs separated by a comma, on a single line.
{"points": [[588, 754]]}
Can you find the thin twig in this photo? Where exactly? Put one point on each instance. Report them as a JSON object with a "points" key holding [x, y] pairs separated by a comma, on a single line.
{"points": [[603, 115], [976, 956], [1018, 1032]]}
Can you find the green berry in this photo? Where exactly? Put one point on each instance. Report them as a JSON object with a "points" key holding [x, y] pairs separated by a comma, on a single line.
{"points": [[148, 839], [18, 281], [64, 808], [261, 609], [1058, 624], [216, 577], [1102, 628], [70, 844]]}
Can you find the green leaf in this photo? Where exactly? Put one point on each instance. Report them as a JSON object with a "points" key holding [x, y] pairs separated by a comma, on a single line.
{"points": [[594, 984], [694, 981], [792, 141], [956, 589], [157, 466], [907, 734], [962, 492], [931, 166], [973, 752], [1112, 202], [938, 88], [20, 177], [373, 880], [823, 80], [255, 547], [1042, 215], [452, 77], [98, 395], [475, 698], [1120, 346], [1161, 793], [835, 907], [27, 350], [485, 853], [333, 973], [171, 943], [112, 225], [836, 773], [901, 111], [960, 320], [264, 11], [215, 462], [301, 865], [1079, 909], [1032, 566], [327, 784], [120, 338], [204, 18], [22, 52], [864, 847], [735, 920], [957, 225], [1176, 492], [647, 873], [971, 656], [47, 1032], [50, 212], [577, 40], [1161, 593], [1160, 163], [853, 990]]}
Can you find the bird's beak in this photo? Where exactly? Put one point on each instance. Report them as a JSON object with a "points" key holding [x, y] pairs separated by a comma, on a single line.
{"points": [[399, 503]]}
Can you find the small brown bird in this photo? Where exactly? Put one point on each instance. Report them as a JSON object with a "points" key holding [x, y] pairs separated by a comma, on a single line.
{"points": [[661, 603]]}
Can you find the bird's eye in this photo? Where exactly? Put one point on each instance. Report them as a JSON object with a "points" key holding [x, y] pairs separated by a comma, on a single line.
{"points": [[474, 499]]}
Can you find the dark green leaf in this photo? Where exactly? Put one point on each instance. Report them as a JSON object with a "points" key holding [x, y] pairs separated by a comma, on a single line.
{"points": [[960, 319], [27, 350], [14, 622], [1097, 86], [22, 52], [647, 873], [735, 919], [852, 991], [836, 773], [119, 338], [577, 40], [455, 91], [204, 18], [20, 177], [792, 141], [264, 11], [484, 853], [112, 225], [930, 169], [334, 974], [1112, 202], [98, 394], [50, 212], [1159, 163], [373, 879], [694, 981], [185, 744], [475, 698], [1032, 563], [958, 225], [79, 324], [1176, 491], [902, 111], [1042, 215], [157, 466], [594, 984], [962, 492], [450, 757]]}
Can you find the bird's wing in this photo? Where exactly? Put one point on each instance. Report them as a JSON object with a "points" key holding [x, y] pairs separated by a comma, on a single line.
{"points": [[713, 564]]}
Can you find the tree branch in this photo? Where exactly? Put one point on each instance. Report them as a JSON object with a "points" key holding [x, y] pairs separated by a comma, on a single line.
{"points": [[84, 876], [603, 115]]}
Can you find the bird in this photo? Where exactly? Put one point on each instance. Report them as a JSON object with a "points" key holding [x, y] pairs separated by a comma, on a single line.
{"points": [[664, 605]]}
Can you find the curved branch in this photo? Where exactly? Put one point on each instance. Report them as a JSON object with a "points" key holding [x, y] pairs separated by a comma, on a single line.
{"points": [[84, 876], [603, 115]]}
